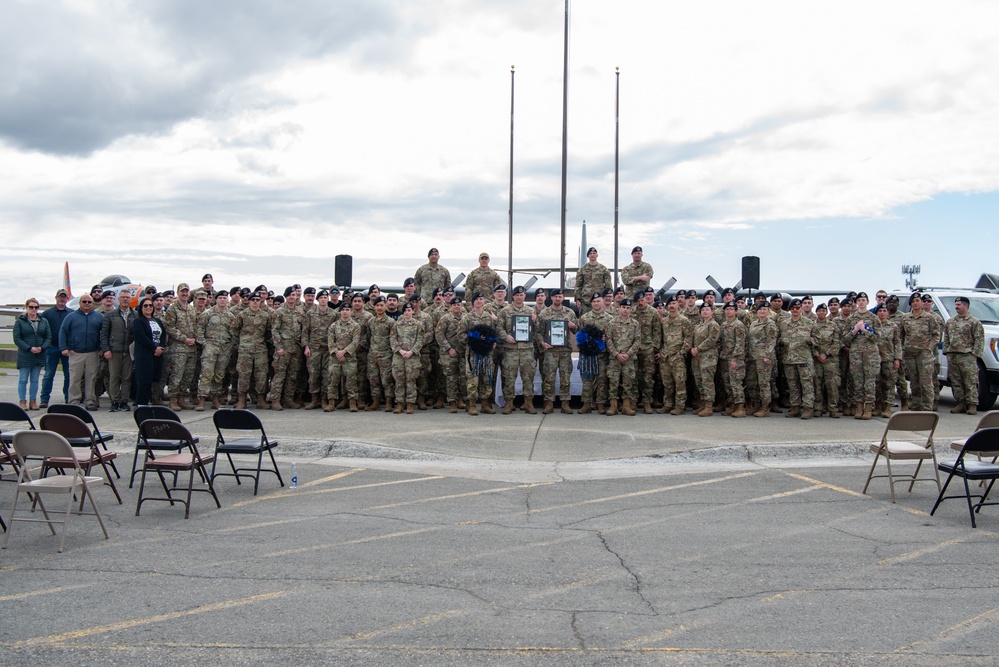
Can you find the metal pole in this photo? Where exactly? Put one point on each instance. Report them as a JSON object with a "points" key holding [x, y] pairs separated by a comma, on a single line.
{"points": [[617, 143], [565, 141], [509, 255]]}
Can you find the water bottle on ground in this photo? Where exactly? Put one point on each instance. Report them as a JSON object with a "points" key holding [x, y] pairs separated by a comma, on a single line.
{"points": [[294, 476]]}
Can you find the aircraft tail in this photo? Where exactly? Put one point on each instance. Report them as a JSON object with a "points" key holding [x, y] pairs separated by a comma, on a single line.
{"points": [[65, 280]]}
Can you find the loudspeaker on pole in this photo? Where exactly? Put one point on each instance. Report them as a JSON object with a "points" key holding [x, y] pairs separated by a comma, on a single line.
{"points": [[751, 272], [343, 269]]}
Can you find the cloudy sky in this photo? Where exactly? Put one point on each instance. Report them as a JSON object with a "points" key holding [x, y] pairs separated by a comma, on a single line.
{"points": [[256, 139]]}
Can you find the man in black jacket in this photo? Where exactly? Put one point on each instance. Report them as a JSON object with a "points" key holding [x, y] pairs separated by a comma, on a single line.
{"points": [[116, 334]]}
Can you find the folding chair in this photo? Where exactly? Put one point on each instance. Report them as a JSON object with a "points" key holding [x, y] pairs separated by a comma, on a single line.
{"points": [[48, 445], [983, 442], [988, 420], [87, 418], [243, 420], [141, 414], [152, 430], [11, 412], [79, 436], [912, 423]]}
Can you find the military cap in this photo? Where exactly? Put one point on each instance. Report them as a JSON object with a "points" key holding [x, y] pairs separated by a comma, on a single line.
{"points": [[640, 294], [709, 292], [776, 296], [880, 306], [408, 281], [929, 299], [691, 294], [762, 306], [914, 297], [637, 248], [415, 297], [321, 293], [183, 286], [707, 305], [851, 295], [596, 295], [834, 300], [151, 289], [862, 294], [255, 296], [408, 305], [207, 276], [760, 296], [892, 297], [96, 288], [288, 290], [556, 291], [373, 288], [729, 305], [62, 292], [221, 292], [670, 299], [200, 294], [592, 249], [439, 290], [477, 295], [455, 299], [279, 299], [270, 294], [624, 302], [540, 290], [236, 290], [728, 290], [260, 288], [821, 306], [484, 255], [309, 290], [795, 303], [607, 292], [519, 289], [847, 301], [432, 251], [245, 292], [619, 289], [681, 293], [500, 288], [158, 295], [649, 290], [378, 299], [963, 299], [169, 292]]}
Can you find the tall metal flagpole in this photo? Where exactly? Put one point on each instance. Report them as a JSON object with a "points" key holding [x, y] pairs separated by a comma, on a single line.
{"points": [[509, 269], [617, 142], [565, 140]]}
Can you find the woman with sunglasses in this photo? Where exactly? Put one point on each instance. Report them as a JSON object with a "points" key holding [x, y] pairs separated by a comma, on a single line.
{"points": [[150, 342], [31, 335]]}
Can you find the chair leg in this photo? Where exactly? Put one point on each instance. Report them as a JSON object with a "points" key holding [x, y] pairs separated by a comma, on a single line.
{"points": [[915, 474], [942, 492], [891, 478], [870, 474], [190, 489], [971, 510], [277, 471], [135, 465], [65, 522], [93, 506]]}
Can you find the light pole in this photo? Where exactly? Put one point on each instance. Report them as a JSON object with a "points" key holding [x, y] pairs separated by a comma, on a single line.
{"points": [[911, 270], [509, 254]]}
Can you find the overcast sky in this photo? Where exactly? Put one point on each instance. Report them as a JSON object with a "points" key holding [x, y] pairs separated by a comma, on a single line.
{"points": [[257, 139]]}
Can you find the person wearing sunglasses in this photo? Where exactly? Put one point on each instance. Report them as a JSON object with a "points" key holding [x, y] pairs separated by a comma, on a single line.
{"points": [[80, 340], [32, 336]]}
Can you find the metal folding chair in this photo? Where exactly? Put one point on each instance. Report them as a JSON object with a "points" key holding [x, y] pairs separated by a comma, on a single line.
{"points": [[913, 424], [11, 412], [982, 444], [246, 421], [152, 430], [80, 437], [141, 414], [87, 418]]}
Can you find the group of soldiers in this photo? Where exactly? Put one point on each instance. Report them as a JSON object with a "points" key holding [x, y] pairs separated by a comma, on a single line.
{"points": [[427, 348]]}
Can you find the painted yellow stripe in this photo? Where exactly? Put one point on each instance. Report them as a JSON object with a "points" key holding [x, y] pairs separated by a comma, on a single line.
{"points": [[360, 540], [283, 493], [42, 591], [970, 625], [414, 623], [136, 622], [499, 489], [825, 485], [901, 558]]}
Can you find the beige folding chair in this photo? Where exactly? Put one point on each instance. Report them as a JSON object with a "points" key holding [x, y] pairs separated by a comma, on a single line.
{"points": [[46, 444], [988, 420], [919, 427]]}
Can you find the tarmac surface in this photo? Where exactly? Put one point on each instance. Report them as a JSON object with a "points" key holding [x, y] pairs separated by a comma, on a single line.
{"points": [[439, 539]]}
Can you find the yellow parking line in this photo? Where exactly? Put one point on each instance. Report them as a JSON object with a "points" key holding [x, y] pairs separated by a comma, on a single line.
{"points": [[825, 485], [414, 623], [283, 493], [42, 591], [499, 489], [360, 540], [970, 625]]}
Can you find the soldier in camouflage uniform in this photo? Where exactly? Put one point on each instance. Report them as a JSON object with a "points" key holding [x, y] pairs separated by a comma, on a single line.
{"points": [[343, 339], [380, 357], [437, 384], [407, 338], [180, 322], [363, 318], [964, 343], [865, 359], [795, 343], [650, 325], [482, 279], [732, 360], [919, 336], [761, 346], [286, 335], [704, 354], [890, 351], [637, 275], [677, 338], [826, 342], [847, 392], [251, 328], [624, 338], [315, 343], [431, 276], [901, 386], [214, 335], [426, 321], [479, 382], [518, 357], [928, 307], [591, 277], [451, 350], [556, 358], [595, 388]]}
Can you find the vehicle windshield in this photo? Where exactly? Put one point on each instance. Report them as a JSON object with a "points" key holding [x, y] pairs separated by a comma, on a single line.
{"points": [[985, 308]]}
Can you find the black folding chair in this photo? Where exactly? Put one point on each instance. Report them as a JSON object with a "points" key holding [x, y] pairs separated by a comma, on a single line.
{"points": [[141, 414], [11, 412], [983, 443], [154, 430], [243, 420], [87, 418], [79, 436]]}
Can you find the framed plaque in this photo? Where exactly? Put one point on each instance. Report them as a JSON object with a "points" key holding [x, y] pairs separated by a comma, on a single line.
{"points": [[558, 333], [522, 328]]}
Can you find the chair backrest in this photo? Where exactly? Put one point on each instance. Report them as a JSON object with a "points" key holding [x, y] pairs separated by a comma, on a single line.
{"points": [[144, 412], [166, 429], [983, 442], [68, 426], [912, 422], [989, 420], [12, 412], [42, 444], [77, 411], [242, 420]]}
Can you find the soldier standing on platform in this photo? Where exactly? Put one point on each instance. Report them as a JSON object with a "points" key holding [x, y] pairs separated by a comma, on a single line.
{"points": [[343, 341], [518, 350], [315, 344], [558, 358], [591, 277]]}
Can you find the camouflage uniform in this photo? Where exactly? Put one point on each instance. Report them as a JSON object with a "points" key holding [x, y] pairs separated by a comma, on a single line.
{"points": [[761, 346], [919, 336], [901, 386], [252, 330], [556, 358], [214, 335], [286, 335], [595, 389], [406, 335], [964, 343], [732, 348], [428, 278], [890, 351], [936, 357], [478, 386], [517, 357], [449, 337], [865, 360], [363, 320], [481, 280], [677, 337], [380, 359], [315, 335], [649, 323], [180, 322], [827, 339], [423, 387], [590, 278], [345, 336], [628, 277], [796, 355], [706, 341], [623, 337]]}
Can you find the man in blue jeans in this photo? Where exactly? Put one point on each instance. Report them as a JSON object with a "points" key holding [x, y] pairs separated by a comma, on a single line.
{"points": [[53, 355]]}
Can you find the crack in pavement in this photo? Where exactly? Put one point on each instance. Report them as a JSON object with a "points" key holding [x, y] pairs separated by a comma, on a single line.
{"points": [[637, 587], [576, 632]]}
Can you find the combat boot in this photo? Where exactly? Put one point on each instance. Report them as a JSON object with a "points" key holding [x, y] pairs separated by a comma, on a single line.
{"points": [[298, 400], [793, 411], [353, 405], [601, 409], [241, 401], [612, 410], [936, 404], [729, 409], [806, 413], [175, 404], [678, 410], [453, 406], [629, 408], [201, 404], [647, 408], [398, 408], [421, 403], [376, 404], [707, 410], [566, 410], [764, 410], [183, 404], [586, 409], [342, 403], [775, 407], [529, 405], [388, 403], [262, 403], [904, 404], [315, 403], [549, 407], [958, 409], [508, 407], [972, 410], [276, 405], [739, 411], [487, 407], [409, 408], [291, 405], [470, 408], [461, 403], [216, 402], [866, 414], [833, 412], [329, 406], [848, 409]]}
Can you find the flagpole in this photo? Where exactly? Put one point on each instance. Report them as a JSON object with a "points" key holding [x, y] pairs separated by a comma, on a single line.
{"points": [[565, 139], [509, 255]]}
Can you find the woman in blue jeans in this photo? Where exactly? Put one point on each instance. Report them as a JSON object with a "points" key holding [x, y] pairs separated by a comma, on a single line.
{"points": [[31, 335]]}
